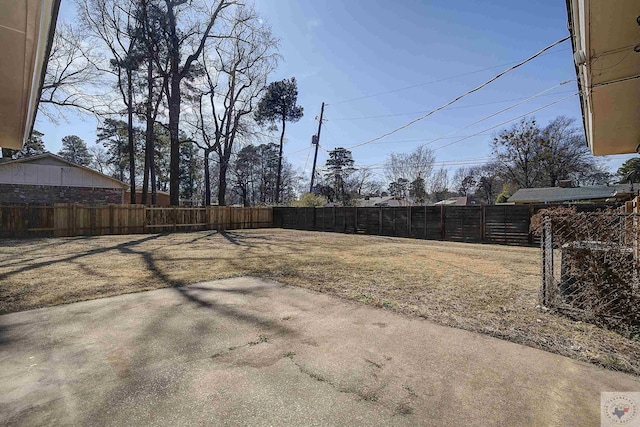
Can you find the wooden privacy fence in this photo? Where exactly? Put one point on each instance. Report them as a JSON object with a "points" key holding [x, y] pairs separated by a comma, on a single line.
{"points": [[84, 220], [502, 224]]}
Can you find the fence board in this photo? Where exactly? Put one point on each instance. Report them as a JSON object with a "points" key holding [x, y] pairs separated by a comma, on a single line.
{"points": [[503, 224], [61, 220]]}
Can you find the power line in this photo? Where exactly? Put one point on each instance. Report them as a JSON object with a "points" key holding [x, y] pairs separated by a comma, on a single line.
{"points": [[307, 161], [624, 79], [447, 78], [469, 92], [502, 111], [461, 162], [508, 121], [469, 162], [419, 139], [450, 108], [445, 136]]}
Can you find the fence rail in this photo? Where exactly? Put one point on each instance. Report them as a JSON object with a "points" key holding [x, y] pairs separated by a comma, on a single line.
{"points": [[505, 224], [84, 220], [502, 224]]}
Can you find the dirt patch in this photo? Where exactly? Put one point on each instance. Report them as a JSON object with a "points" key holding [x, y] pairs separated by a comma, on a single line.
{"points": [[483, 288]]}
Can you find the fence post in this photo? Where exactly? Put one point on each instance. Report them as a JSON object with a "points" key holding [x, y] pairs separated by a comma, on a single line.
{"points": [[483, 226], [425, 222], [355, 220], [393, 221], [73, 220], [546, 246], [409, 221], [111, 219], [333, 226], [175, 218], [443, 234], [530, 237]]}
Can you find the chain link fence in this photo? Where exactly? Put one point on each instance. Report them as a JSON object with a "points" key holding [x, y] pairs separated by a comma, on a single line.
{"points": [[591, 266]]}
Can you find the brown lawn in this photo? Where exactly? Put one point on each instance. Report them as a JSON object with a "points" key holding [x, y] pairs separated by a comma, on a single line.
{"points": [[484, 288]]}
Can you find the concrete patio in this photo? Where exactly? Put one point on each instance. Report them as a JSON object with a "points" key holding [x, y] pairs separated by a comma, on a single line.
{"points": [[250, 352]]}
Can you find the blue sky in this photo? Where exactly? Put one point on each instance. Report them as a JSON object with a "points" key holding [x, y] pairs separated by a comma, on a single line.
{"points": [[343, 50]]}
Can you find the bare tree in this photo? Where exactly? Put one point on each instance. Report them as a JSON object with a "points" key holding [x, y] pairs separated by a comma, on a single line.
{"points": [[530, 156], [517, 150], [114, 24], [99, 159], [234, 80], [464, 180], [72, 78], [363, 183], [410, 166], [186, 33], [154, 50], [488, 184], [439, 185], [565, 154]]}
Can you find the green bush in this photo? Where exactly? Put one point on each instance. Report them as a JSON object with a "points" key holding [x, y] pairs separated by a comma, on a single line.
{"points": [[310, 200]]}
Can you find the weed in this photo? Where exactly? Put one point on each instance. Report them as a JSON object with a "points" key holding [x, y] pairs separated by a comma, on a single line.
{"points": [[261, 339], [404, 409]]}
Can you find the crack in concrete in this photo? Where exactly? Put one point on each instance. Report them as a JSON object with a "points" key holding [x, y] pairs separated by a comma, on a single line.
{"points": [[261, 340], [368, 396]]}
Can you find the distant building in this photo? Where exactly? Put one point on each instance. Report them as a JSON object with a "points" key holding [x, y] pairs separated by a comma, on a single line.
{"points": [[162, 197], [457, 201], [48, 179], [592, 193], [381, 201]]}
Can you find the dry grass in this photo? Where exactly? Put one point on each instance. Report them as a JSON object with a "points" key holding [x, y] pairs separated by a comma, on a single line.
{"points": [[483, 288]]}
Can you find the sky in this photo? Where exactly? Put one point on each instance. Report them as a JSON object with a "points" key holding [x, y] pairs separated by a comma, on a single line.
{"points": [[378, 65]]}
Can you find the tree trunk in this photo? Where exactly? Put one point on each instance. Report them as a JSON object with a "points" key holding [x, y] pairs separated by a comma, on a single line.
{"points": [[207, 180], [132, 158], [148, 140], [279, 176], [245, 196], [222, 181], [174, 163], [152, 171]]}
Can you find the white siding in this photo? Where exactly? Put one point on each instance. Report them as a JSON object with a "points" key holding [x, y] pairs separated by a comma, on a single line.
{"points": [[41, 174]]}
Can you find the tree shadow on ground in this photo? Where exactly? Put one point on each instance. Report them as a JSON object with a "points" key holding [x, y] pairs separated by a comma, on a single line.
{"points": [[74, 257], [191, 293]]}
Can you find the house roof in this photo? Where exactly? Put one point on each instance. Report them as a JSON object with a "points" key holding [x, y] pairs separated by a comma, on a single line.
{"points": [[376, 201], [61, 160], [453, 201], [604, 35], [26, 33], [558, 194]]}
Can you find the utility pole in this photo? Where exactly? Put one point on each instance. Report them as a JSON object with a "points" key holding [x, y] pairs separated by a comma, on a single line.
{"points": [[315, 139]]}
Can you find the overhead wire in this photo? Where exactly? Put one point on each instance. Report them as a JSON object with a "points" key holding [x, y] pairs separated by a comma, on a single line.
{"points": [[446, 78], [467, 93], [440, 164], [449, 108], [508, 121], [501, 111], [448, 135]]}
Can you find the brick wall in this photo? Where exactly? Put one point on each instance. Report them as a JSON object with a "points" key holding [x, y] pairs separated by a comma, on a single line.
{"points": [[15, 193]]}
